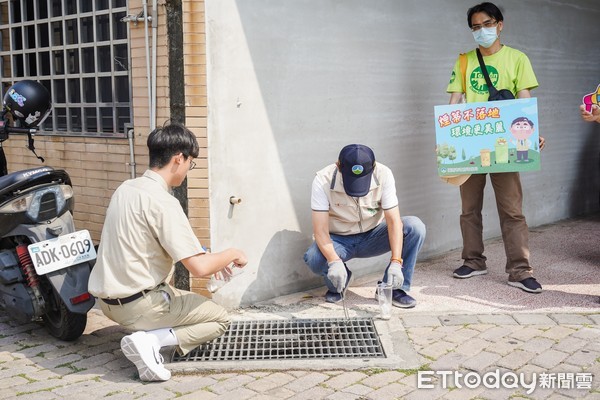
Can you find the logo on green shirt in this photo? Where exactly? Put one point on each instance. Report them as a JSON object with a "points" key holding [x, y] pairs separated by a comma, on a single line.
{"points": [[477, 79], [453, 77]]}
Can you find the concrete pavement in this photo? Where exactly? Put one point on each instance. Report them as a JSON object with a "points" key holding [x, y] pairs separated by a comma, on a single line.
{"points": [[472, 339]]}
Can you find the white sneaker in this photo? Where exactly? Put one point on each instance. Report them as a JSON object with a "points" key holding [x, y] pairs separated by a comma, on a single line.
{"points": [[138, 348]]}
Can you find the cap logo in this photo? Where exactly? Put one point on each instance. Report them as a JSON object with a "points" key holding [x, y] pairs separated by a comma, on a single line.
{"points": [[357, 169]]}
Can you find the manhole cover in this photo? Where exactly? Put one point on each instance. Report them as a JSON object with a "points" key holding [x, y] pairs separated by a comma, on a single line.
{"points": [[292, 339]]}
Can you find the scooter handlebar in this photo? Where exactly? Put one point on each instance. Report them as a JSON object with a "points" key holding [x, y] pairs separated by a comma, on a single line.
{"points": [[12, 129], [5, 128]]}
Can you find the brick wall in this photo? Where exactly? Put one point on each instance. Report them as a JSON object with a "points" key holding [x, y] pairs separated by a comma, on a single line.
{"points": [[194, 50]]}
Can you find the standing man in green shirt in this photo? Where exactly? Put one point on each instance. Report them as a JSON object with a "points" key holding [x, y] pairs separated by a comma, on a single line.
{"points": [[508, 69]]}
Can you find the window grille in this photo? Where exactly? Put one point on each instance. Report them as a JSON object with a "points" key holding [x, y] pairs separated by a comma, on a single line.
{"points": [[79, 50]]}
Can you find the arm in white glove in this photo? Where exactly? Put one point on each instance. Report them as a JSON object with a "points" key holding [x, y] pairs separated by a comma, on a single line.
{"points": [[337, 274], [395, 277]]}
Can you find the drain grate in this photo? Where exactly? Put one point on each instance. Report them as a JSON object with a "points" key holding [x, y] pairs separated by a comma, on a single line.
{"points": [[291, 339]]}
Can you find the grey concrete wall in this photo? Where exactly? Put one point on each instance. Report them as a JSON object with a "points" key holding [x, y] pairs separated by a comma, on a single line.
{"points": [[291, 82]]}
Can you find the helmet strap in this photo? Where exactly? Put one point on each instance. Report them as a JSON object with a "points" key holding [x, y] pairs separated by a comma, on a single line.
{"points": [[3, 126], [31, 147], [3, 163]]}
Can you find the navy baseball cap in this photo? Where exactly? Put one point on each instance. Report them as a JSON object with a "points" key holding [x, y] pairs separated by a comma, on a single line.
{"points": [[357, 162]]}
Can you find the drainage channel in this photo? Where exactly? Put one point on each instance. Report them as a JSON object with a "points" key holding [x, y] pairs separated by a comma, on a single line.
{"points": [[298, 339]]}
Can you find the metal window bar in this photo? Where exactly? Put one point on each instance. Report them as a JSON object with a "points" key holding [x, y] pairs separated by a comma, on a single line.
{"points": [[292, 339], [72, 115]]}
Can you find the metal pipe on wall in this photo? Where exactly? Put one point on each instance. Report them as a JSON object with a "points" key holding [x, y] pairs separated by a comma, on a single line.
{"points": [[154, 36], [148, 74], [150, 71], [130, 135]]}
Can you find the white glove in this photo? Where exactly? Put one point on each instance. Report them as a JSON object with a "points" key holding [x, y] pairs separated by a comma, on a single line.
{"points": [[395, 277], [337, 274]]}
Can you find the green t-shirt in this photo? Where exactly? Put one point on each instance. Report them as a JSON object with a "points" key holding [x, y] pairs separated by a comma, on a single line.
{"points": [[508, 69]]}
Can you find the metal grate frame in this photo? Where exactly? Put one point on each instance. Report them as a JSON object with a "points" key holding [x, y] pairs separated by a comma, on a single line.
{"points": [[292, 339]]}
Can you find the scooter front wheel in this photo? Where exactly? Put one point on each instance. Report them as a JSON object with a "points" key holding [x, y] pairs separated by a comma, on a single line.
{"points": [[62, 323]]}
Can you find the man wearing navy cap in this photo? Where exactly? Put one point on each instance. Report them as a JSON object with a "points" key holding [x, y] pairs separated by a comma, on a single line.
{"points": [[355, 215]]}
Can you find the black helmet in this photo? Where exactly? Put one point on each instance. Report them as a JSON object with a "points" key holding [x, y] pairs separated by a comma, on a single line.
{"points": [[28, 102]]}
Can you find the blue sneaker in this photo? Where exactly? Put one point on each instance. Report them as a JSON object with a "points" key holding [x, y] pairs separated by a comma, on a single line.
{"points": [[401, 299], [467, 272], [334, 297], [528, 285]]}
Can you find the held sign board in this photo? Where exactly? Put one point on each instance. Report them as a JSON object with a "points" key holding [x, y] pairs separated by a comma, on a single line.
{"points": [[477, 138]]}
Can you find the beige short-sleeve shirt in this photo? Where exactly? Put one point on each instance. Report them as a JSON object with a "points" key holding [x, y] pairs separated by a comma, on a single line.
{"points": [[145, 232]]}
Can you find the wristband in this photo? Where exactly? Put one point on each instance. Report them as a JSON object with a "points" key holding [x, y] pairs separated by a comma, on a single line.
{"points": [[398, 260]]}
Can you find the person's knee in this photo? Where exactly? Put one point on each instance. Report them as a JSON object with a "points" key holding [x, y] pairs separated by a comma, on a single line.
{"points": [[307, 257], [224, 317], [223, 321], [314, 259], [415, 226], [222, 327]]}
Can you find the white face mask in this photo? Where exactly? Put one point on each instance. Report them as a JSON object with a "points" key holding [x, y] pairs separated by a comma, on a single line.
{"points": [[485, 36]]}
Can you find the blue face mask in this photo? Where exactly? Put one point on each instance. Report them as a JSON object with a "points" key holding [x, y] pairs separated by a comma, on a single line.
{"points": [[485, 37]]}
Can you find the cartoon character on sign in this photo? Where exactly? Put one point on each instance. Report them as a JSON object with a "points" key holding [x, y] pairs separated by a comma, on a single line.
{"points": [[591, 99], [522, 128]]}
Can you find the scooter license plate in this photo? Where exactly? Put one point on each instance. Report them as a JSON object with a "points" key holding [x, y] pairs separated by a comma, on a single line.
{"points": [[62, 252]]}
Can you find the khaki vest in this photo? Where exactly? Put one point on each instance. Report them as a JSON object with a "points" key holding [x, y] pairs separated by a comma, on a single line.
{"points": [[351, 215]]}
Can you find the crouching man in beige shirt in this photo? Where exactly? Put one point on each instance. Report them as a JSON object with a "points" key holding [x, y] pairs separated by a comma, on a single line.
{"points": [[144, 234]]}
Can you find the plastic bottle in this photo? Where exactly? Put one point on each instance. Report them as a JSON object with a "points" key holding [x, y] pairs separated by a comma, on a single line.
{"points": [[215, 283]]}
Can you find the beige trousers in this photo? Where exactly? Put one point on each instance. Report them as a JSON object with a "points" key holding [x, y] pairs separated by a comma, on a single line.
{"points": [[515, 233], [194, 318]]}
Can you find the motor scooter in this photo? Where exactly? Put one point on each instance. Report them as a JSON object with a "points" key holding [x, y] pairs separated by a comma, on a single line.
{"points": [[45, 263]]}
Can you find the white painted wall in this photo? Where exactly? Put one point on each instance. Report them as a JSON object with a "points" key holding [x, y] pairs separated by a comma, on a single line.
{"points": [[291, 82]]}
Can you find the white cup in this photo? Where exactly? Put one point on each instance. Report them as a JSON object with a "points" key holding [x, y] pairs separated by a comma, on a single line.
{"points": [[384, 295]]}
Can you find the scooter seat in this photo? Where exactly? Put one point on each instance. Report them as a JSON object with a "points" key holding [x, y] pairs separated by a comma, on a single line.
{"points": [[21, 176], [29, 177]]}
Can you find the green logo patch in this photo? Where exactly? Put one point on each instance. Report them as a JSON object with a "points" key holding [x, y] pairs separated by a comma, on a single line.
{"points": [[477, 79]]}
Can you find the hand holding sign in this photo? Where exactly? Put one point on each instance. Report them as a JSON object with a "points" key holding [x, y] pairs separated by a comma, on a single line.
{"points": [[592, 116], [591, 99]]}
